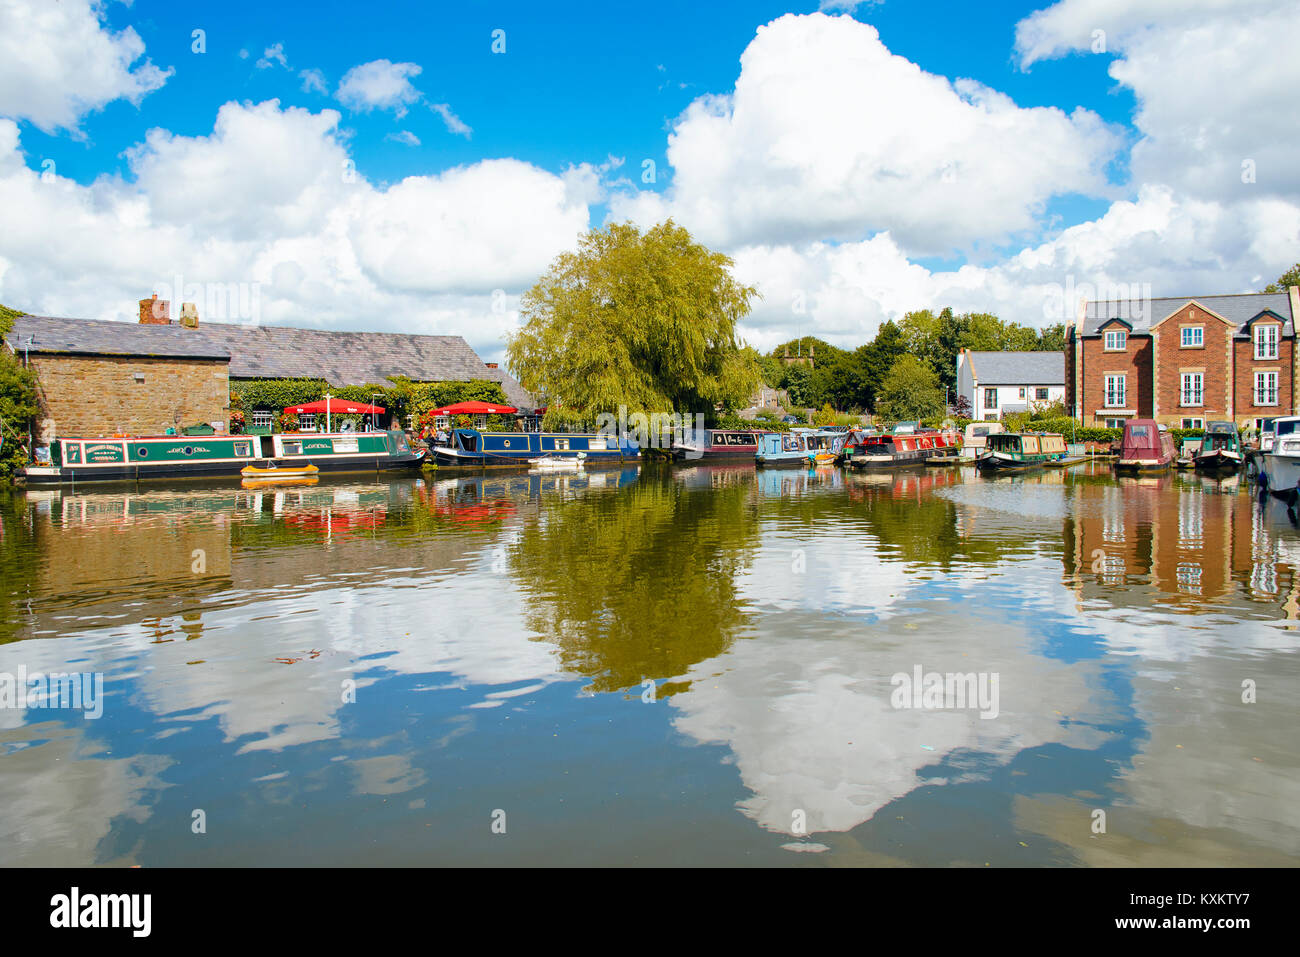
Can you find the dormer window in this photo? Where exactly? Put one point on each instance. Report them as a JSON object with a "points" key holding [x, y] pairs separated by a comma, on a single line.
{"points": [[1266, 341], [1116, 340]]}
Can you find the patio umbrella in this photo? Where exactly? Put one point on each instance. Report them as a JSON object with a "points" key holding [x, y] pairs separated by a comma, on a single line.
{"points": [[475, 408], [332, 406]]}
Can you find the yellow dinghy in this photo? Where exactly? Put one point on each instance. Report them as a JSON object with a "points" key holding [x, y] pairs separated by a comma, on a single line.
{"points": [[276, 473]]}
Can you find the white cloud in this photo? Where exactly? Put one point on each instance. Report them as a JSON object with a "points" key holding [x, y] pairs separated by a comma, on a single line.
{"points": [[405, 137], [453, 122], [270, 197], [828, 135], [313, 81], [59, 61], [1215, 92], [271, 56], [379, 85]]}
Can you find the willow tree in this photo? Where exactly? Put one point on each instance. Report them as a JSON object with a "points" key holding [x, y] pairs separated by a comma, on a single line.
{"points": [[641, 320]]}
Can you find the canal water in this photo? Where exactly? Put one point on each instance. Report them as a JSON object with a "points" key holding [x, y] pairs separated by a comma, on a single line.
{"points": [[655, 666]]}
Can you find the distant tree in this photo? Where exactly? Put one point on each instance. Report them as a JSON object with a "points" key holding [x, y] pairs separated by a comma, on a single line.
{"points": [[824, 416], [877, 358], [910, 391], [1052, 338], [642, 320], [1289, 278], [798, 382], [961, 408], [18, 402]]}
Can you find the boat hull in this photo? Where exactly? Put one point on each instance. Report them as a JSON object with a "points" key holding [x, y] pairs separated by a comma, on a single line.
{"points": [[1281, 473], [1217, 461], [994, 464], [81, 475], [1143, 466]]}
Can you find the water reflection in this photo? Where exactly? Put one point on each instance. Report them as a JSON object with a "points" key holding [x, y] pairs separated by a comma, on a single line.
{"points": [[405, 655]]}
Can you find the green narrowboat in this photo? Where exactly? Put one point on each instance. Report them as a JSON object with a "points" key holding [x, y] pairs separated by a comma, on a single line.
{"points": [[132, 458], [1220, 449], [1006, 452]]}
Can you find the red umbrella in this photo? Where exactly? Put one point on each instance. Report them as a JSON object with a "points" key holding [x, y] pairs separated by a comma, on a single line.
{"points": [[334, 407], [475, 408]]}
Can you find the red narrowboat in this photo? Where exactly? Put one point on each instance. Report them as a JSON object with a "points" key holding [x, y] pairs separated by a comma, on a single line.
{"points": [[1147, 447]]}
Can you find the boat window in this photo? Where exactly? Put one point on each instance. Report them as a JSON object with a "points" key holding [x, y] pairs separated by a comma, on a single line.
{"points": [[740, 438], [1138, 431], [562, 445], [1284, 428], [597, 445], [242, 449], [291, 447], [719, 438], [345, 445]]}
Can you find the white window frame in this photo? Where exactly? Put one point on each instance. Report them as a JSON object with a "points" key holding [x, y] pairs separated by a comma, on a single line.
{"points": [[1191, 390], [1119, 343], [1266, 341], [1185, 334], [1109, 391], [307, 422], [261, 419], [1263, 388], [1193, 423]]}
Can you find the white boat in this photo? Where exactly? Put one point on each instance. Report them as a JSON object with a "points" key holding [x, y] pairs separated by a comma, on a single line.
{"points": [[1281, 473], [551, 463]]}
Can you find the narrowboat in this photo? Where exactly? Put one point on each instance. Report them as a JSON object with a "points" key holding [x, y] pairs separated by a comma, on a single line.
{"points": [[895, 449], [974, 438], [717, 445], [1145, 448], [1220, 449], [824, 446], [854, 439], [135, 458], [471, 448], [1280, 467], [1008, 452], [782, 450]]}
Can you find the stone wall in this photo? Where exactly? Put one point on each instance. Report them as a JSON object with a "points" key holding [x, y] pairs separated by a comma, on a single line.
{"points": [[100, 395]]}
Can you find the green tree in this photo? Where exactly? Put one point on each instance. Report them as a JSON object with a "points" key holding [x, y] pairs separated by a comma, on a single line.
{"points": [[877, 358], [18, 401], [1289, 278], [910, 391], [799, 383], [1052, 338], [642, 320]]}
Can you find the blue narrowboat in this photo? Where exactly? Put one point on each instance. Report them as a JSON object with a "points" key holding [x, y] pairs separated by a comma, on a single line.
{"points": [[475, 449], [782, 450]]}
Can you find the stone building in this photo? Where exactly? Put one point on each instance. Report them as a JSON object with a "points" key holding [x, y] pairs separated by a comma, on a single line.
{"points": [[99, 377], [1184, 361]]}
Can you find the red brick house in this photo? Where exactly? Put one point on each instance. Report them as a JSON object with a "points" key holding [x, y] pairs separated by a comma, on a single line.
{"points": [[1184, 361]]}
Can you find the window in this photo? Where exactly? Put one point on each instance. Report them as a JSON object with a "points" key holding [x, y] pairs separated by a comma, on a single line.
{"points": [[1022, 392], [719, 438], [291, 447], [1193, 389], [1040, 394], [307, 422], [1115, 391], [261, 420], [1116, 340], [1266, 388], [1193, 423], [991, 397], [1114, 423], [1193, 337], [243, 449], [1266, 342]]}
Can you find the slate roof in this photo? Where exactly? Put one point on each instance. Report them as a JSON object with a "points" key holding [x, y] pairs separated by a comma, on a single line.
{"points": [[97, 337], [274, 352], [1018, 368], [1238, 310]]}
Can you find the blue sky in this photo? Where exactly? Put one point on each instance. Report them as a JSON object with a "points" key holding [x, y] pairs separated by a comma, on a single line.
{"points": [[852, 165]]}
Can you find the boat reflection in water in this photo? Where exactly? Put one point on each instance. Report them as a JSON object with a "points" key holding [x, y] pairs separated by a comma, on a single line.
{"points": [[697, 659]]}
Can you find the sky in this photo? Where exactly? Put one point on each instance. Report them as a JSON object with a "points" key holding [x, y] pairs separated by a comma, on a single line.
{"points": [[415, 166]]}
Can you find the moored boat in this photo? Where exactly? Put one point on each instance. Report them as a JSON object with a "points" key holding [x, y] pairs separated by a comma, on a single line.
{"points": [[139, 458], [1008, 452], [549, 463], [782, 450], [1280, 465], [896, 449], [273, 472], [470, 448], [1146, 447], [717, 445], [1220, 449]]}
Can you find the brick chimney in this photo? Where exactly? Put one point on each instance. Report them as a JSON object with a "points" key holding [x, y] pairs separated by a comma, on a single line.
{"points": [[154, 312], [190, 315]]}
